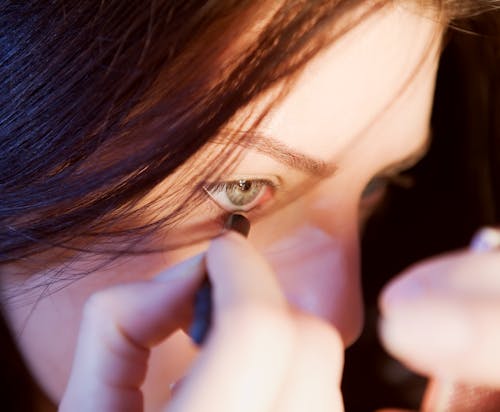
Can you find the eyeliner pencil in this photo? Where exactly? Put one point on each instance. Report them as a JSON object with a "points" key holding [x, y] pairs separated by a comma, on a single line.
{"points": [[203, 307]]}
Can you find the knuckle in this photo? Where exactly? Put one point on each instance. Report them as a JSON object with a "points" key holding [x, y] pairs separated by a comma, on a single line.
{"points": [[101, 319], [98, 304]]}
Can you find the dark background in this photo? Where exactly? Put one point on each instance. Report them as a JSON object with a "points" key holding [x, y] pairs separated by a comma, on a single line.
{"points": [[454, 193]]}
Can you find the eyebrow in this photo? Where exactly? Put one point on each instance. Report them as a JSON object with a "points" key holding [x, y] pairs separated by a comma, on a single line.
{"points": [[286, 155]]}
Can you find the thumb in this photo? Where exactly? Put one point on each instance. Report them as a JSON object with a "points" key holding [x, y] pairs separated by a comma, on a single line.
{"points": [[441, 318], [246, 357], [260, 355], [119, 326]]}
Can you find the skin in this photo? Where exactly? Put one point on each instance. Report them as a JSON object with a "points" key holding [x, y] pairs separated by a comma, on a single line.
{"points": [[362, 105]]}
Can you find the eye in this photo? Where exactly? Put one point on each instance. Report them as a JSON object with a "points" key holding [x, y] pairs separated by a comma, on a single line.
{"points": [[377, 188], [241, 195]]}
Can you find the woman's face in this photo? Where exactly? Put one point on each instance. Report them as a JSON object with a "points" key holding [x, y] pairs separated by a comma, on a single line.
{"points": [[361, 108]]}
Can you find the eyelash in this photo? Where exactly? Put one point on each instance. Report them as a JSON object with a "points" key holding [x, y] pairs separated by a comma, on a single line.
{"points": [[218, 192], [267, 188], [376, 189]]}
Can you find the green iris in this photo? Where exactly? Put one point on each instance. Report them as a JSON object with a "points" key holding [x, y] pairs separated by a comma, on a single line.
{"points": [[243, 192]]}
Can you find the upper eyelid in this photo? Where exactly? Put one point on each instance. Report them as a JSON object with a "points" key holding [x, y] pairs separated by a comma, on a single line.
{"points": [[277, 150], [276, 180], [225, 183]]}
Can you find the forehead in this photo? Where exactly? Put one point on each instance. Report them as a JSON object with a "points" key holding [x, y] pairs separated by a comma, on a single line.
{"points": [[347, 87]]}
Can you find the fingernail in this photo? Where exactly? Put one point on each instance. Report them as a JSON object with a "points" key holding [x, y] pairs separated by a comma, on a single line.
{"points": [[486, 240]]}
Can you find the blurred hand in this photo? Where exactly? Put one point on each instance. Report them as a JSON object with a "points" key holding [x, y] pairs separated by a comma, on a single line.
{"points": [[259, 356], [441, 319]]}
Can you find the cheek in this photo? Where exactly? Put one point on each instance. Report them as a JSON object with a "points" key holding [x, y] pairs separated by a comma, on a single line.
{"points": [[45, 333], [320, 275], [46, 328]]}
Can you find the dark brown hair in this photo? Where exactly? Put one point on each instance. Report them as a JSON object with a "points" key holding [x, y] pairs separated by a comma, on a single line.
{"points": [[100, 101], [455, 191]]}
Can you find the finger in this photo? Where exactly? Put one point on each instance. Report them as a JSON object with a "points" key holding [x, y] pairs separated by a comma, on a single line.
{"points": [[118, 327], [450, 396], [441, 318], [313, 383], [249, 350]]}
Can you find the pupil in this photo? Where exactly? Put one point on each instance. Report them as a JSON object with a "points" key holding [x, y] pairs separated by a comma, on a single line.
{"points": [[244, 185]]}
